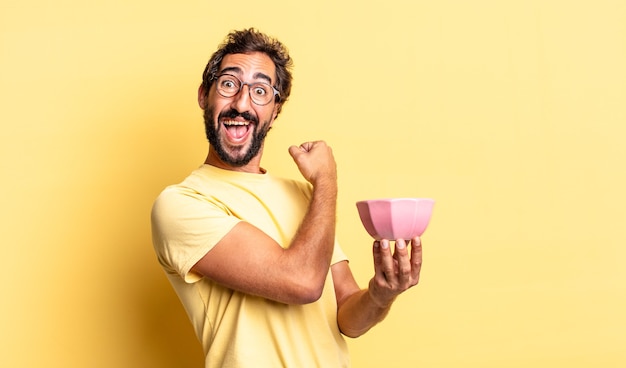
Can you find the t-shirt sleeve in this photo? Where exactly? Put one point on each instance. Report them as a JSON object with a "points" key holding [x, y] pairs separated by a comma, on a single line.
{"points": [[185, 227]]}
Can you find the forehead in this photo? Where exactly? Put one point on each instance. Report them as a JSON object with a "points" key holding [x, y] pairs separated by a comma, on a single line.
{"points": [[256, 65]]}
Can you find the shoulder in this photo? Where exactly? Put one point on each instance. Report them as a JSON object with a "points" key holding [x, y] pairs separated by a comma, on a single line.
{"points": [[187, 198], [293, 185]]}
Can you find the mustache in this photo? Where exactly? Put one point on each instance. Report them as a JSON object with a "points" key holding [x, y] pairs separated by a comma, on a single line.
{"points": [[232, 113]]}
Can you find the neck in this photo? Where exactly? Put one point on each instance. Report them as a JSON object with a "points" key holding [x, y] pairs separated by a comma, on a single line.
{"points": [[254, 166]]}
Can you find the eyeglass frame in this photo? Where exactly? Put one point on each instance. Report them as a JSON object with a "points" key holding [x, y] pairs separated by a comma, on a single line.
{"points": [[214, 78]]}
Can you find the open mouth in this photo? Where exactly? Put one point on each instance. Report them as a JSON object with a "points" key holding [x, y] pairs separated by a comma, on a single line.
{"points": [[237, 131]]}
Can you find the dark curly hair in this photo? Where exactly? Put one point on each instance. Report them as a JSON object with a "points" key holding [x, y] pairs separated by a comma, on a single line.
{"points": [[247, 41]]}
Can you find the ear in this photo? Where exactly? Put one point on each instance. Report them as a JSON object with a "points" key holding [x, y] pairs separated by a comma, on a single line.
{"points": [[276, 109], [202, 97]]}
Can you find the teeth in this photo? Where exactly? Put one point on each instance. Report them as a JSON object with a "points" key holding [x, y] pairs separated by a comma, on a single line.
{"points": [[236, 123]]}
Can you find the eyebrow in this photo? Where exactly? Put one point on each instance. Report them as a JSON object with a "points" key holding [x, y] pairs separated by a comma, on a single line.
{"points": [[238, 70]]}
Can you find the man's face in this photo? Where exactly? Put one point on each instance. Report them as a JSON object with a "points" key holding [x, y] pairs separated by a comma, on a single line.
{"points": [[236, 127]]}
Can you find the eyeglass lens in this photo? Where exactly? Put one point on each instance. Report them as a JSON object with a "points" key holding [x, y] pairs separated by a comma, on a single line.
{"points": [[229, 85]]}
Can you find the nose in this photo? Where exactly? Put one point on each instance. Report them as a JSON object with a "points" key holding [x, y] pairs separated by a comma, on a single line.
{"points": [[242, 100]]}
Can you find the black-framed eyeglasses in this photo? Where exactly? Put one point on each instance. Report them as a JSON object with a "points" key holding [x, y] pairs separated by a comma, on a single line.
{"points": [[228, 85]]}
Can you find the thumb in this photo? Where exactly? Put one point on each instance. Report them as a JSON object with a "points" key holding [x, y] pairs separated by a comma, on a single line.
{"points": [[295, 151]]}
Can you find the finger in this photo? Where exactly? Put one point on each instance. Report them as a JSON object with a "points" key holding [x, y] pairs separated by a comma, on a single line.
{"points": [[307, 146], [401, 254], [378, 260], [416, 257], [303, 148], [294, 151], [386, 262]]}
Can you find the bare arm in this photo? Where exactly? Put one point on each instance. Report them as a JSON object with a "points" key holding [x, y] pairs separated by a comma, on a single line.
{"points": [[360, 310], [248, 260]]}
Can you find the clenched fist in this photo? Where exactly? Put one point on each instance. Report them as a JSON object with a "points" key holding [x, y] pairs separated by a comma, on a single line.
{"points": [[315, 161]]}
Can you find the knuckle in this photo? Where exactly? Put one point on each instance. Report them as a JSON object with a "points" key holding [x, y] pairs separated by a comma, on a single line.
{"points": [[405, 273], [381, 283]]}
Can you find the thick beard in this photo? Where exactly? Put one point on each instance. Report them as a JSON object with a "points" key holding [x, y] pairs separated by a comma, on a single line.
{"points": [[211, 129]]}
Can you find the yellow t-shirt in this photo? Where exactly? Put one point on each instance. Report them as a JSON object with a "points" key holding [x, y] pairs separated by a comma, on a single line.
{"points": [[237, 329]]}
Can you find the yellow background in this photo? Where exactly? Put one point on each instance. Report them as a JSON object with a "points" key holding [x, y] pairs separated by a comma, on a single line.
{"points": [[511, 114]]}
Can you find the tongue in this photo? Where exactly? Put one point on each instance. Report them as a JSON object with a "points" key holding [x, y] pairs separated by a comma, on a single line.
{"points": [[237, 131]]}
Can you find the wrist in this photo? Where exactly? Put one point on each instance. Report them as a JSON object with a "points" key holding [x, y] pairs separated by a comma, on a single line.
{"points": [[326, 185], [379, 301]]}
